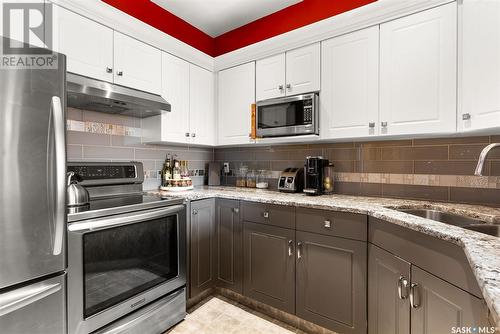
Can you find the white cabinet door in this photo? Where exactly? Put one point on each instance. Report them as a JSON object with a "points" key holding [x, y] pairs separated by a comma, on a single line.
{"points": [[303, 70], [236, 94], [137, 65], [418, 72], [201, 106], [481, 65], [349, 81], [88, 45], [175, 89], [270, 77]]}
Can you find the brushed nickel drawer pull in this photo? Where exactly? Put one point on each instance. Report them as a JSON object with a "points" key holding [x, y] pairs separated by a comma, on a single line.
{"points": [[299, 250], [328, 223], [414, 296], [266, 214], [402, 286], [290, 247]]}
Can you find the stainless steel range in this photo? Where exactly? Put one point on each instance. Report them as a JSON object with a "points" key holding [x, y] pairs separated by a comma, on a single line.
{"points": [[127, 254]]}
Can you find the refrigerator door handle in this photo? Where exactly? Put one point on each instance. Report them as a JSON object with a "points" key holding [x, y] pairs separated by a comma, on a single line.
{"points": [[57, 115], [17, 299]]}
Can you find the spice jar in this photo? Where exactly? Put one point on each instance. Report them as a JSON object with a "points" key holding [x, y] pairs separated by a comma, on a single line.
{"points": [[241, 176], [262, 179], [251, 179]]}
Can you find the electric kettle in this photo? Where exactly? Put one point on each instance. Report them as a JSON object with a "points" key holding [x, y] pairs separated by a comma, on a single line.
{"points": [[76, 195]]}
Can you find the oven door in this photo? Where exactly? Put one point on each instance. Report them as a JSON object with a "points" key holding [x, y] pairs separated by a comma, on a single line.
{"points": [[119, 263], [288, 116]]}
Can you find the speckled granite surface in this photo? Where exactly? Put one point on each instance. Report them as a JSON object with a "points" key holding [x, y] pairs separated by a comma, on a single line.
{"points": [[482, 251]]}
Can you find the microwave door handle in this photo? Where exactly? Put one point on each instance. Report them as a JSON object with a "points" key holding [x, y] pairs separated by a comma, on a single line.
{"points": [[124, 219], [56, 121]]}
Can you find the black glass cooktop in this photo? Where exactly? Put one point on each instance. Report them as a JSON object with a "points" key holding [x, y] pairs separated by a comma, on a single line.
{"points": [[117, 205]]}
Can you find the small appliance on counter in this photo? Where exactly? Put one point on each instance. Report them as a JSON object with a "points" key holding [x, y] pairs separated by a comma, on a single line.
{"points": [[318, 177], [291, 180]]}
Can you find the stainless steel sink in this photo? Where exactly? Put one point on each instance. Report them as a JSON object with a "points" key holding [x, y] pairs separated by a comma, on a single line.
{"points": [[443, 217], [490, 229]]}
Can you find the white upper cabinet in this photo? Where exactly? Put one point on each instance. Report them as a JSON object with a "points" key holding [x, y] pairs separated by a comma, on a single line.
{"points": [[137, 65], [480, 65], [175, 89], [201, 106], [236, 94], [294, 72], [270, 77], [349, 81], [88, 45], [303, 70], [418, 72]]}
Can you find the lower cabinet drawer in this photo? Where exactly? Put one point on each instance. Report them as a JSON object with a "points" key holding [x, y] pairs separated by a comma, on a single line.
{"points": [[338, 224], [277, 215]]}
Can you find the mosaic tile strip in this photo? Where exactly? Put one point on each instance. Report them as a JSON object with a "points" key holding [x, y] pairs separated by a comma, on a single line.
{"points": [[102, 128]]}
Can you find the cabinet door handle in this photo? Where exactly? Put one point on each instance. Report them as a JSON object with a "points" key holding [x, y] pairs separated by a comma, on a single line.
{"points": [[236, 210], [466, 117], [109, 70], [280, 87], [195, 212], [193, 134], [290, 247], [371, 125], [402, 287], [299, 250], [288, 86], [266, 214], [414, 296], [383, 124], [119, 73], [328, 223]]}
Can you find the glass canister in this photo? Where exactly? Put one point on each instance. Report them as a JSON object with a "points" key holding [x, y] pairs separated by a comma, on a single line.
{"points": [[328, 178], [251, 179], [241, 176], [262, 179]]}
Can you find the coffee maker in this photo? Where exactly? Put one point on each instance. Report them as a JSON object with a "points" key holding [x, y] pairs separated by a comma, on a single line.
{"points": [[314, 168]]}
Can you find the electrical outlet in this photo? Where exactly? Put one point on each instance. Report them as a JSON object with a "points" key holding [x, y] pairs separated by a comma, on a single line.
{"points": [[226, 168]]}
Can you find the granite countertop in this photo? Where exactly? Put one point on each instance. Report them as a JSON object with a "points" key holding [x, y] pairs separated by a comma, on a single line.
{"points": [[482, 251]]}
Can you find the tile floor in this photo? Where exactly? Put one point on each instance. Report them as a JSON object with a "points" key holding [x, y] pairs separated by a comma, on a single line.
{"points": [[220, 316]]}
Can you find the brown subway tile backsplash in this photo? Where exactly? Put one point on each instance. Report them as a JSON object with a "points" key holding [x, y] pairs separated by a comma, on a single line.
{"points": [[433, 169], [397, 167], [448, 167], [475, 196], [415, 153], [415, 192]]}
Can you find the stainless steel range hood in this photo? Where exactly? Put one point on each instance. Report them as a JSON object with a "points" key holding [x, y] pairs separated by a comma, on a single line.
{"points": [[90, 94]]}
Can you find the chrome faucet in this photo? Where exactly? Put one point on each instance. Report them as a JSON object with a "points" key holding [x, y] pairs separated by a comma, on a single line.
{"points": [[482, 157]]}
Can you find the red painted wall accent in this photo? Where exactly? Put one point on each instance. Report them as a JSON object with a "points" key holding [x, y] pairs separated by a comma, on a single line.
{"points": [[287, 19], [157, 17]]}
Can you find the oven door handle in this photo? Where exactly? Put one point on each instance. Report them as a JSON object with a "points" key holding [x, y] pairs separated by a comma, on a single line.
{"points": [[123, 219]]}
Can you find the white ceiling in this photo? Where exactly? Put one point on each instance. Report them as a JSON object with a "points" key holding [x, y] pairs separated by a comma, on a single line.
{"points": [[216, 17]]}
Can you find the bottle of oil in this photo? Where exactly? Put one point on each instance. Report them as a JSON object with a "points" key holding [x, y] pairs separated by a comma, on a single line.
{"points": [[166, 173]]}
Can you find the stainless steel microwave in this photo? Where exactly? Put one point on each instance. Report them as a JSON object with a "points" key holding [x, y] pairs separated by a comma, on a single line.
{"points": [[288, 116]]}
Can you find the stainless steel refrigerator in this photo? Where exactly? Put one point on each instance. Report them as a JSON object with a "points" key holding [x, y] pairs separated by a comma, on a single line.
{"points": [[32, 200]]}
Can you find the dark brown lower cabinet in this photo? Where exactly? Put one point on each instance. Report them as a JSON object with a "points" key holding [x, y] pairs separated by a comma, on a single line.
{"points": [[269, 265], [331, 282], [229, 239], [388, 292], [424, 304], [202, 246], [438, 305]]}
